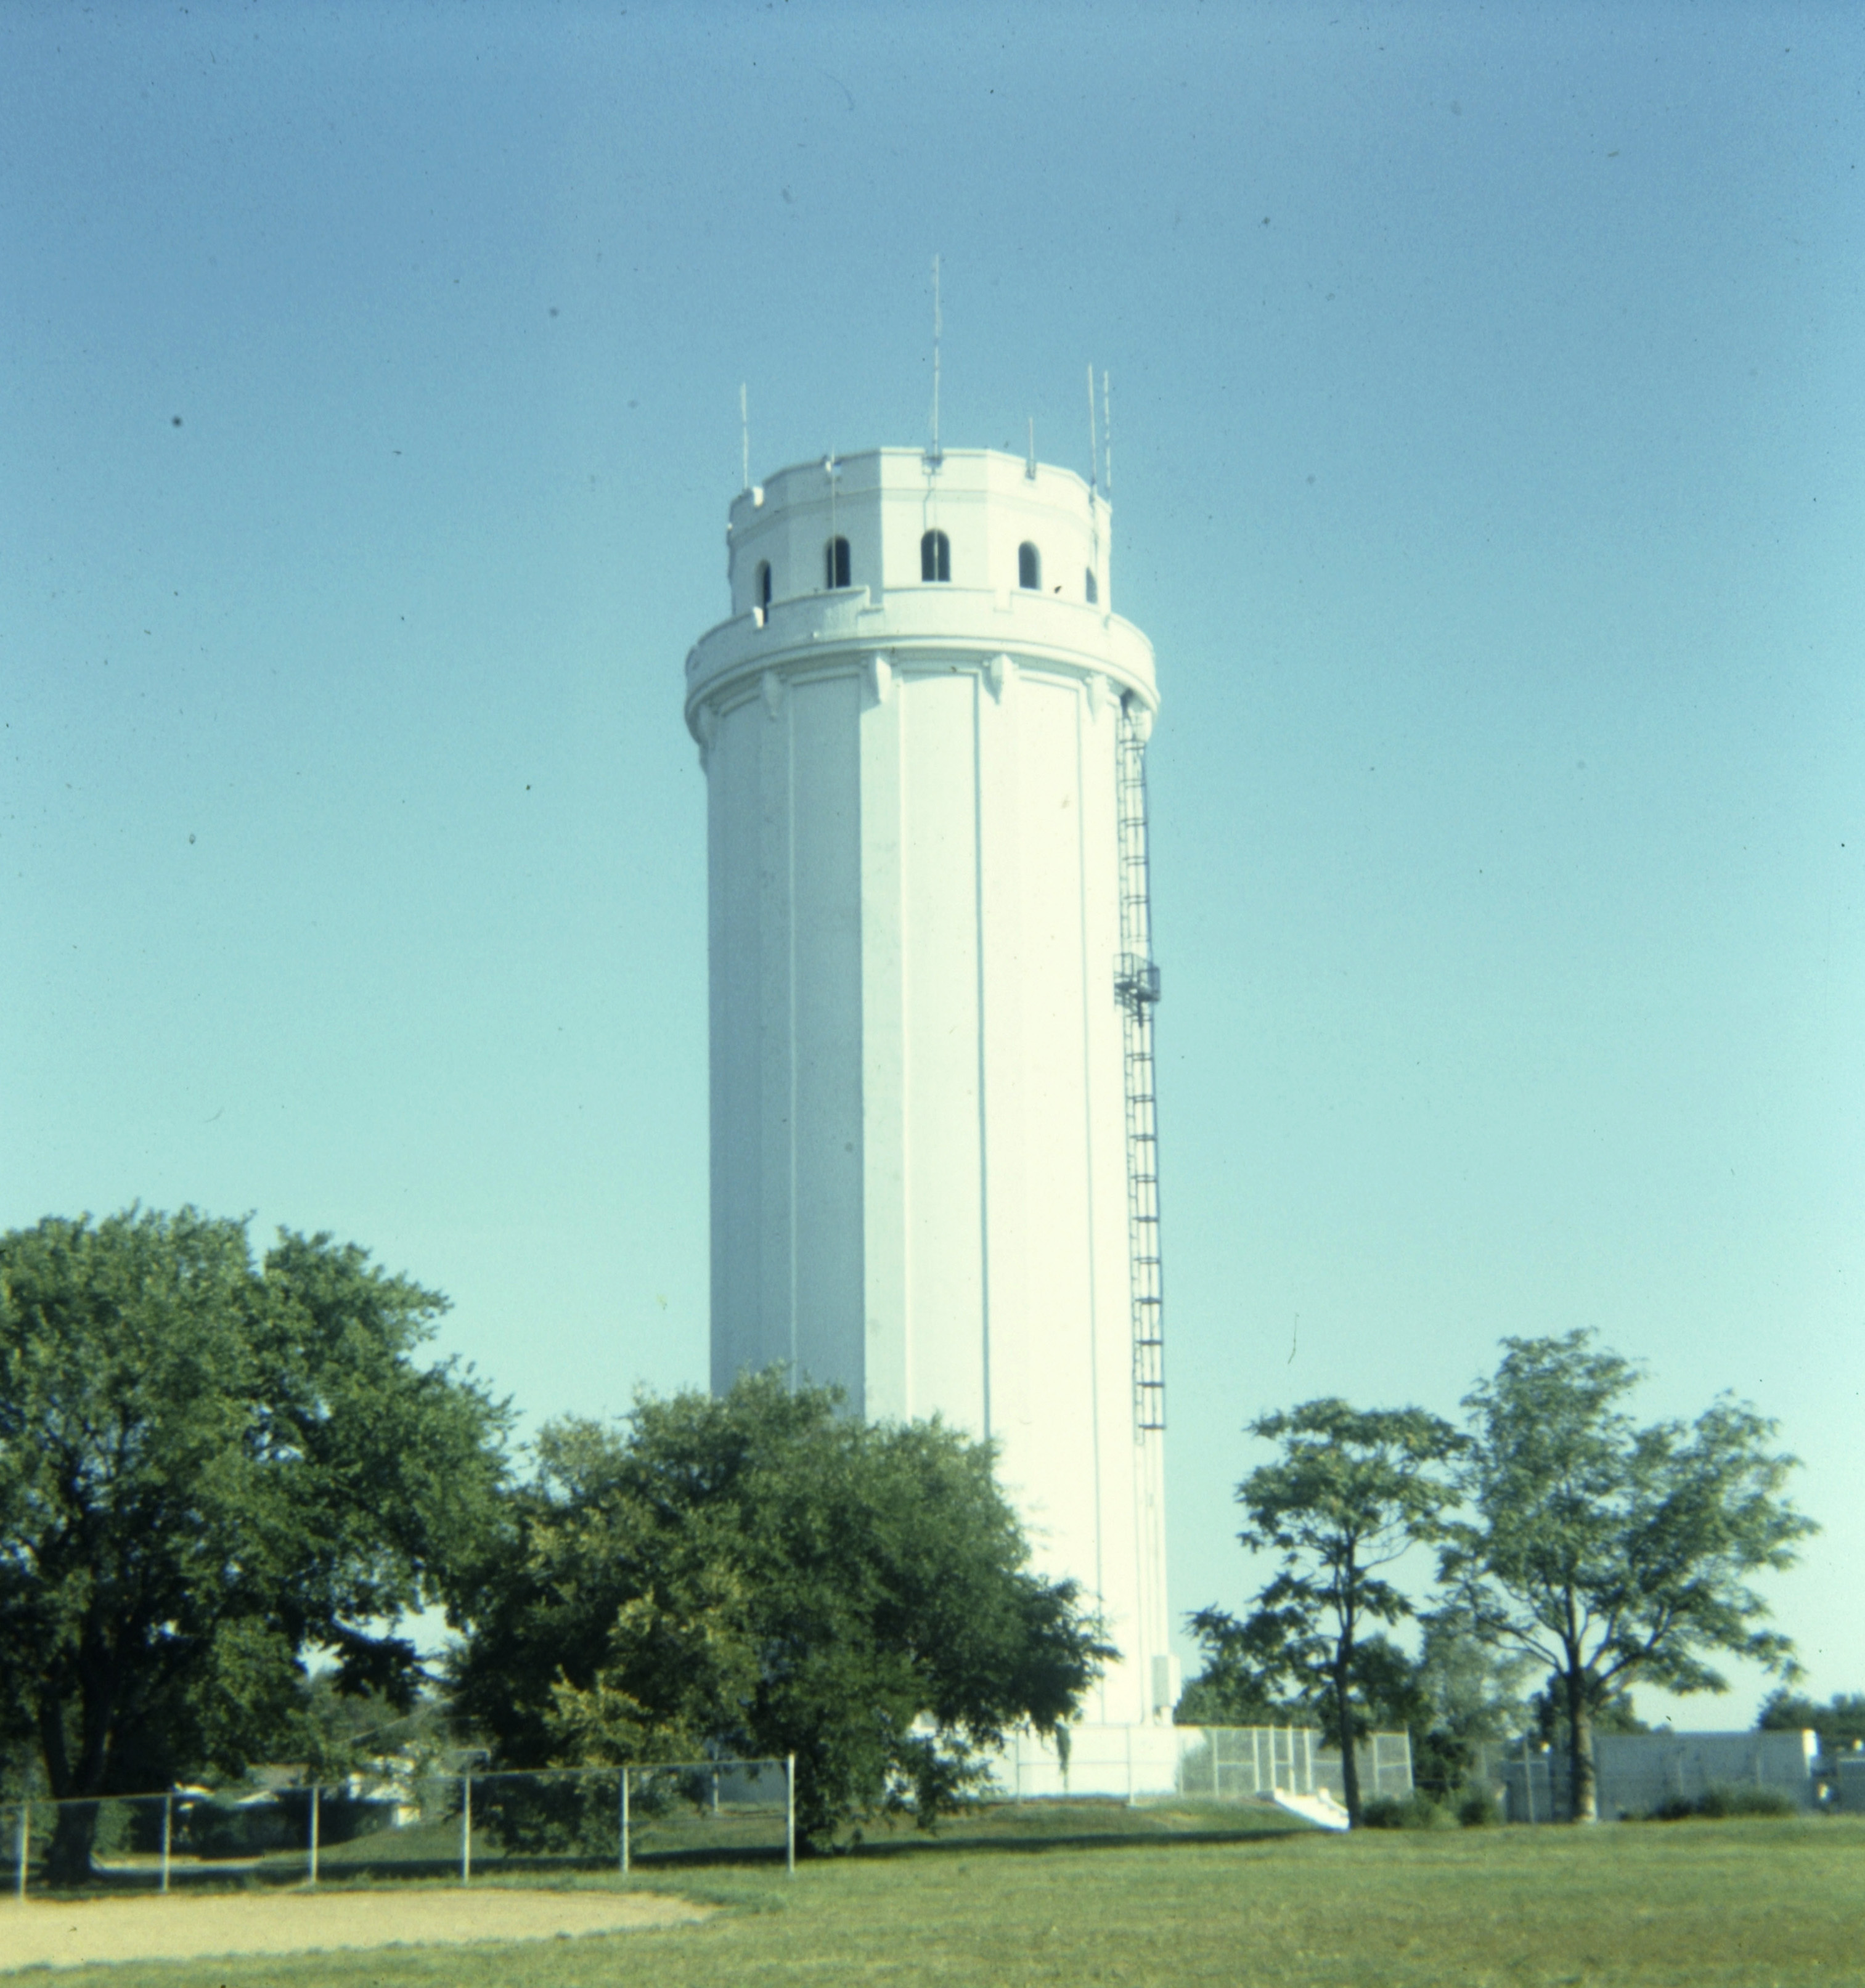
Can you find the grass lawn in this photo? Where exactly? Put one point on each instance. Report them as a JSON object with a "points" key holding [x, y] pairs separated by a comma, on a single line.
{"points": [[1079, 1893]]}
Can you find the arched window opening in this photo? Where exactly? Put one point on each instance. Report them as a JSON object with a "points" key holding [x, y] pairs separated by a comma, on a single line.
{"points": [[1029, 567], [835, 563], [763, 583], [936, 556], [1094, 591]]}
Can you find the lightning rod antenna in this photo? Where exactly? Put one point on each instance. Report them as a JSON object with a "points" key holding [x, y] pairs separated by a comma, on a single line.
{"points": [[1029, 467], [1107, 430], [744, 438], [1094, 443], [932, 455]]}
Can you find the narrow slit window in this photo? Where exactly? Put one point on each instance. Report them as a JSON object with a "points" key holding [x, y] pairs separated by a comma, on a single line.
{"points": [[763, 583], [1094, 591], [1029, 567], [936, 556], [835, 563]]}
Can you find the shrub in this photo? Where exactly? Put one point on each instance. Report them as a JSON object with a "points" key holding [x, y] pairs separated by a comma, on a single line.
{"points": [[1478, 1810], [1737, 1798], [1414, 1811], [1745, 1798]]}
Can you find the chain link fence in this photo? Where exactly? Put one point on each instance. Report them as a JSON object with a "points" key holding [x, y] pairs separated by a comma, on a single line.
{"points": [[1243, 1762], [1238, 1762], [422, 1826], [1385, 1762]]}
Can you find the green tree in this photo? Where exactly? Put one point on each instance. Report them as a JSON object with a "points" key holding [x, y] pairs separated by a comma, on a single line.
{"points": [[339, 1733], [763, 1574], [1353, 1491], [1609, 1552], [1466, 1695], [206, 1469], [1608, 1710], [1840, 1724], [1242, 1682]]}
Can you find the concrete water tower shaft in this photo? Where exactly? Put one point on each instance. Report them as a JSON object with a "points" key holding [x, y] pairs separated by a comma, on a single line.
{"points": [[934, 1178]]}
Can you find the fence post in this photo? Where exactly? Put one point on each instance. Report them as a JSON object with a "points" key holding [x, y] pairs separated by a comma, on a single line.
{"points": [[24, 1840], [167, 1835], [624, 1822], [790, 1814], [466, 1827], [316, 1792]]}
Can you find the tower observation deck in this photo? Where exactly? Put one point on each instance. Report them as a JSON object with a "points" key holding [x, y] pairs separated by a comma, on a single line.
{"points": [[934, 1172]]}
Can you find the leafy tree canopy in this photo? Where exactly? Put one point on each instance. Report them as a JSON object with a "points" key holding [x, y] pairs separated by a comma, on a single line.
{"points": [[760, 1575], [1463, 1694], [1840, 1723], [1611, 1552], [207, 1469], [1352, 1491], [1242, 1682], [339, 1732], [1466, 1687], [1256, 1674], [1608, 1711]]}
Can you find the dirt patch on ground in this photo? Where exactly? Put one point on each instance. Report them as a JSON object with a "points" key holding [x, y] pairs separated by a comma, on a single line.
{"points": [[39, 1932]]}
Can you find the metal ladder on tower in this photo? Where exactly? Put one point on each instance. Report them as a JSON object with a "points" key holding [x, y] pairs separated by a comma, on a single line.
{"points": [[1136, 988]]}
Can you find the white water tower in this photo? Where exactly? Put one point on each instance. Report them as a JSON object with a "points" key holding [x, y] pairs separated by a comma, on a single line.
{"points": [[933, 1162]]}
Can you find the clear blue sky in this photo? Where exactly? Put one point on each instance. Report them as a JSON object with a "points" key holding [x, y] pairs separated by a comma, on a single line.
{"points": [[1489, 399]]}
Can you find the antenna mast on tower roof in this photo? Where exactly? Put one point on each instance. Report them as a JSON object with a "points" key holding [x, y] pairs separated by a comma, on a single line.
{"points": [[744, 436], [1107, 430], [932, 454], [1094, 441]]}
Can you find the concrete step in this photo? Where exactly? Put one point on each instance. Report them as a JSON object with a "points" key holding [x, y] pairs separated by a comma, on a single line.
{"points": [[1321, 1810]]}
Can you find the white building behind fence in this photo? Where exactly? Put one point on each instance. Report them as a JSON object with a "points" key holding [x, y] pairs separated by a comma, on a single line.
{"points": [[1637, 1774]]}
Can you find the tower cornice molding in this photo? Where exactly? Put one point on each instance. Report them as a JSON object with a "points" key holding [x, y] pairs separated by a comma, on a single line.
{"points": [[916, 630]]}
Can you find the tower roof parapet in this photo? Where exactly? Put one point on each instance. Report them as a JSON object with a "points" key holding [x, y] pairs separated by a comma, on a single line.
{"points": [[932, 564]]}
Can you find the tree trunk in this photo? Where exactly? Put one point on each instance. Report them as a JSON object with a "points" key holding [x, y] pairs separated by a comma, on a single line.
{"points": [[1583, 1798], [74, 1835], [74, 1828], [74, 1824], [1350, 1766]]}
